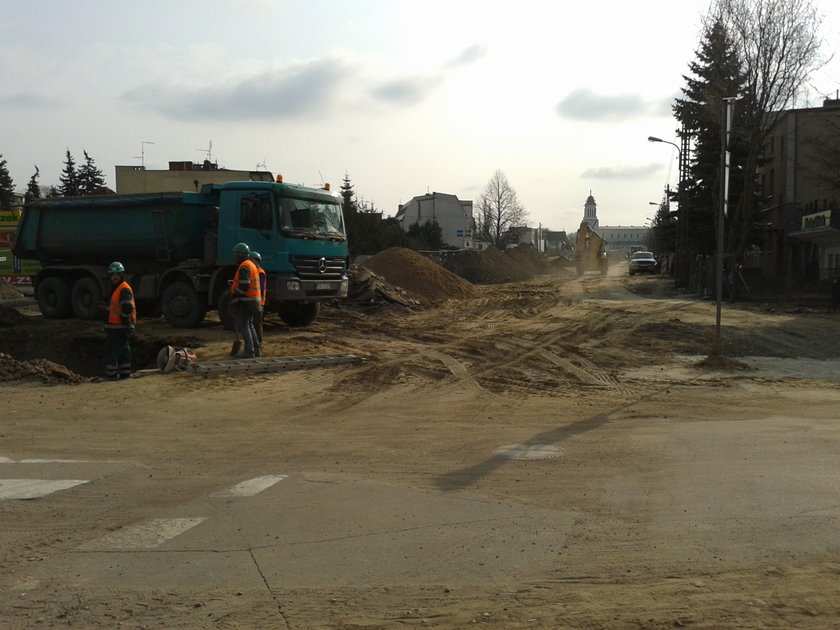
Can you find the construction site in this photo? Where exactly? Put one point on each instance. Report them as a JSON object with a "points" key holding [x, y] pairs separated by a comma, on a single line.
{"points": [[498, 439]]}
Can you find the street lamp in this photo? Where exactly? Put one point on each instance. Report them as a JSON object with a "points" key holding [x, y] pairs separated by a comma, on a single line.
{"points": [[655, 139], [680, 266]]}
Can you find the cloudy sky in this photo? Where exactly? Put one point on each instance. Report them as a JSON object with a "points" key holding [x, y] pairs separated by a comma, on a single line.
{"points": [[405, 97]]}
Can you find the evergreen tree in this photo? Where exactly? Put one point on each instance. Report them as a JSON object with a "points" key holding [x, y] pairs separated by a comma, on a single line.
{"points": [[7, 186], [716, 74], [426, 236], [348, 196], [778, 43], [33, 190], [69, 177], [90, 177]]}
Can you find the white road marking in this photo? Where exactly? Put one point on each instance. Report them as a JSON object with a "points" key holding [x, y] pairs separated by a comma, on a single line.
{"points": [[34, 488], [56, 461], [250, 487], [529, 451], [146, 535]]}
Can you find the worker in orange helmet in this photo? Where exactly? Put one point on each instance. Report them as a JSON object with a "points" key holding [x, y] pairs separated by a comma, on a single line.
{"points": [[258, 318]]}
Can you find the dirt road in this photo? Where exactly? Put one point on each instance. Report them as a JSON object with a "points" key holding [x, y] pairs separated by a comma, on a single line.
{"points": [[547, 455]]}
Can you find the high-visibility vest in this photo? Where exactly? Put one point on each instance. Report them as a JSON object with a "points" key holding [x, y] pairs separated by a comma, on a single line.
{"points": [[115, 309], [261, 271], [253, 292]]}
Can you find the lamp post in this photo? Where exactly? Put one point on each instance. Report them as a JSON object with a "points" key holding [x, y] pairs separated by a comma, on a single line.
{"points": [[680, 264]]}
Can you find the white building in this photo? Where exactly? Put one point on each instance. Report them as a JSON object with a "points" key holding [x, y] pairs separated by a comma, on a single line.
{"points": [[455, 217]]}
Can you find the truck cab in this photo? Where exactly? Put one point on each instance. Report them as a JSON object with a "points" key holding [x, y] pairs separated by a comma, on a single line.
{"points": [[300, 235]]}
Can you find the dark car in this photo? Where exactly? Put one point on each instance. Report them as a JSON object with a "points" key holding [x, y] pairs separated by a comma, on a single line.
{"points": [[643, 262]]}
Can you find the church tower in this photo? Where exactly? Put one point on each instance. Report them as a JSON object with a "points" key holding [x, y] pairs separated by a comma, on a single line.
{"points": [[590, 210]]}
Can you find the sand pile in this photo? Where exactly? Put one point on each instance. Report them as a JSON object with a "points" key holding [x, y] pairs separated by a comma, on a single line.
{"points": [[420, 277], [13, 370]]}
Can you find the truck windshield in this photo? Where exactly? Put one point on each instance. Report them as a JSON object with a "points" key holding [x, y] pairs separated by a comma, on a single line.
{"points": [[305, 218]]}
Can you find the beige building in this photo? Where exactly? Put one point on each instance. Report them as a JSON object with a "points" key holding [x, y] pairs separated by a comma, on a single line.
{"points": [[181, 176]]}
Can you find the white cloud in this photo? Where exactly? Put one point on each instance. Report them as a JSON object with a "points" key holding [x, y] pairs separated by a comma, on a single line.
{"points": [[621, 172], [27, 100], [303, 90], [584, 104]]}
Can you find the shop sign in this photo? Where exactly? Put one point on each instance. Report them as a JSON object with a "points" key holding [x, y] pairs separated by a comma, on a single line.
{"points": [[9, 218], [816, 221]]}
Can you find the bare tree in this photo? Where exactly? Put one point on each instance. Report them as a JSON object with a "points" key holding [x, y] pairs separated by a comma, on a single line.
{"points": [[779, 45], [498, 210]]}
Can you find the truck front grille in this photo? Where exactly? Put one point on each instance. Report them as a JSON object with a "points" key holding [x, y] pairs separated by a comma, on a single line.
{"points": [[318, 267]]}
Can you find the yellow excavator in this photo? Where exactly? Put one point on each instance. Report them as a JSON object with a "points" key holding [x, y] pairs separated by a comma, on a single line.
{"points": [[590, 251]]}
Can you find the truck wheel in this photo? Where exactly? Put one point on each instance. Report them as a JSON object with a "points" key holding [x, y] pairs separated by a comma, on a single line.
{"points": [[301, 315], [225, 312], [182, 306], [53, 296], [85, 298]]}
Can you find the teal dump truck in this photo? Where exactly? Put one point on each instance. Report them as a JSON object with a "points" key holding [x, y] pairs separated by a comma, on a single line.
{"points": [[177, 249]]}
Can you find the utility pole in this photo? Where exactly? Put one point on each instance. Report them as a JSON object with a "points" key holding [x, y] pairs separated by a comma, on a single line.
{"points": [[728, 107]]}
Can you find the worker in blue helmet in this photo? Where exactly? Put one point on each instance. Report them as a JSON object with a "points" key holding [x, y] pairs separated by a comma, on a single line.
{"points": [[119, 324], [246, 299]]}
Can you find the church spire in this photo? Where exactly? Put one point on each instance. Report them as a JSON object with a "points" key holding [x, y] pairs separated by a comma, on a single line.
{"points": [[590, 211]]}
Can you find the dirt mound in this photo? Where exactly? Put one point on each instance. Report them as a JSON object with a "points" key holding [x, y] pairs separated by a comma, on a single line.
{"points": [[419, 275], [48, 372], [10, 317], [492, 266], [528, 258], [8, 292]]}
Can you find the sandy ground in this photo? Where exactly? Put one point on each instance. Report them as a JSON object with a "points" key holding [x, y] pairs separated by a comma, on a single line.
{"points": [[546, 455]]}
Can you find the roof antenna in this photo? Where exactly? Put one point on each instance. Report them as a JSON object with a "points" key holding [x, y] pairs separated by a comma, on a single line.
{"points": [[208, 151], [142, 156]]}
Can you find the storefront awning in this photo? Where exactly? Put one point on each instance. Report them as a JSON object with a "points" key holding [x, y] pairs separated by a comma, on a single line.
{"points": [[824, 236]]}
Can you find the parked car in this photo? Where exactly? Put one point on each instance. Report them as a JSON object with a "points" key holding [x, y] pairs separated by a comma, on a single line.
{"points": [[643, 262]]}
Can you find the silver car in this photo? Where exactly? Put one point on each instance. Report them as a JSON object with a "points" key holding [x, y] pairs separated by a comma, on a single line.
{"points": [[643, 262]]}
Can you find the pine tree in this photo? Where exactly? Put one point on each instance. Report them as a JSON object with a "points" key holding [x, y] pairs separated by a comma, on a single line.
{"points": [[348, 196], [90, 177], [69, 177], [33, 190], [7, 186], [716, 74]]}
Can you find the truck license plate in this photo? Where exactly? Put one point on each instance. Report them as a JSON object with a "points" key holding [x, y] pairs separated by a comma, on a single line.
{"points": [[323, 286]]}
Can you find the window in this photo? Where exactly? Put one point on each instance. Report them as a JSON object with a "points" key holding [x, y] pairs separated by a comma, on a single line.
{"points": [[255, 211], [315, 217]]}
